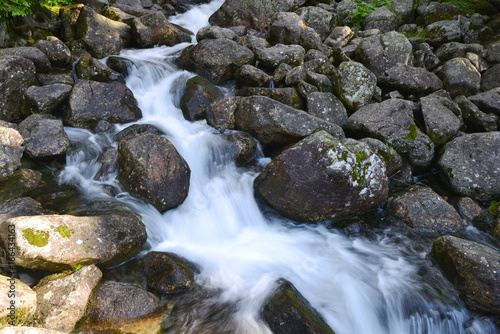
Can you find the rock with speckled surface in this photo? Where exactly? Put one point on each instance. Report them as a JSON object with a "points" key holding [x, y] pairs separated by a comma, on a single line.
{"points": [[473, 268], [44, 136], [25, 300], [355, 84], [11, 150], [322, 178]]}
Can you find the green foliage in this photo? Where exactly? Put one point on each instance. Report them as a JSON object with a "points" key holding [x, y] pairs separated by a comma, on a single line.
{"points": [[463, 5], [493, 208], [10, 8], [364, 9]]}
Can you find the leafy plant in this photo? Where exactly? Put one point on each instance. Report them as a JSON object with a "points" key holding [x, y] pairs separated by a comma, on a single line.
{"points": [[364, 9], [24, 7]]}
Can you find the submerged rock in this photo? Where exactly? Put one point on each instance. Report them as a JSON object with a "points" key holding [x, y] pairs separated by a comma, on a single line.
{"points": [[322, 178]]}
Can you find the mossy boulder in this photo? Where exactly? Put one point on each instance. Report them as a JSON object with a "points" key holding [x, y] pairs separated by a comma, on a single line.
{"points": [[286, 95], [18, 301], [322, 178], [198, 95], [22, 181]]}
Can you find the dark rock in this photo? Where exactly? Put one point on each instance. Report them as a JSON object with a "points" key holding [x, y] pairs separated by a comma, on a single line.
{"points": [[89, 68], [391, 158], [310, 40], [271, 57], [441, 117], [22, 206], [277, 124], [116, 14], [382, 19], [488, 102], [425, 58], [473, 31], [286, 311], [321, 20], [475, 119], [470, 210], [252, 42], [198, 95], [16, 75], [285, 28], [469, 165], [166, 273], [249, 75], [210, 32], [56, 76], [286, 95], [22, 181], [452, 50], [69, 17], [151, 168], [280, 73], [305, 89], [441, 32], [154, 29], [120, 65], [295, 75], [321, 81], [493, 53], [328, 107], [322, 178], [243, 148], [45, 100], [411, 80], [109, 163], [425, 211], [38, 58], [92, 101], [355, 84], [56, 51], [460, 77], [220, 114], [44, 136], [491, 78], [473, 268], [392, 122], [436, 11], [215, 59], [102, 45], [136, 129]]}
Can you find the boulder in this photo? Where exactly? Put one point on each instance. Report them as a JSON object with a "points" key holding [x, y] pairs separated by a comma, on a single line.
{"points": [[381, 52], [460, 77], [11, 150], [44, 136], [210, 32], [310, 40], [69, 17], [249, 75], [441, 117], [469, 209], [277, 124], [42, 63], [436, 11], [198, 95], [16, 74], [425, 211], [392, 122], [251, 13], [166, 273], [47, 99], [473, 268], [56, 51], [119, 15], [220, 114], [411, 80], [382, 19], [452, 50], [271, 57], [425, 57], [288, 95], [354, 84], [320, 81], [475, 119], [18, 306], [56, 76], [22, 206], [120, 65], [285, 28], [58, 242], [441, 32], [287, 311], [152, 169], [154, 29], [22, 181], [136, 129], [322, 178], [242, 147], [27, 330], [328, 107], [321, 20], [391, 158], [215, 59], [62, 299], [469, 165], [488, 102], [339, 37], [493, 53], [89, 68], [491, 78], [92, 101]]}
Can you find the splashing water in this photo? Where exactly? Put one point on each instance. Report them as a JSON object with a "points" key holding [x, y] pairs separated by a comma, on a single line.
{"points": [[358, 286]]}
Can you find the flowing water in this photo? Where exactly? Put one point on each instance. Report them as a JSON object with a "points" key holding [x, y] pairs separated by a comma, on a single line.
{"points": [[241, 248]]}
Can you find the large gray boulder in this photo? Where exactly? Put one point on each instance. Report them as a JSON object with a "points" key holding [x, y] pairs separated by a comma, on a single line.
{"points": [[93, 101], [277, 124], [89, 68], [328, 107], [382, 19], [220, 114], [473, 268], [16, 74], [425, 211], [491, 78], [474, 118], [322, 178], [470, 165], [271, 57], [56, 51], [441, 32], [211, 32], [460, 77], [411, 80], [38, 58], [44, 136], [47, 99], [392, 122], [197, 97], [215, 59], [154, 29], [320, 19], [11, 150], [59, 242], [287, 95], [285, 28], [488, 102], [151, 168], [354, 84], [249, 75]]}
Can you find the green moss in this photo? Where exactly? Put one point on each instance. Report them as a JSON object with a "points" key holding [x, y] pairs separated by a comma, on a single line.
{"points": [[37, 238], [493, 208], [450, 172], [385, 155], [413, 132], [64, 231]]}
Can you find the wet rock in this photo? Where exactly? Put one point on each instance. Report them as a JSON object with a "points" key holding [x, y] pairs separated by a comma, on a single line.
{"points": [[441, 117], [44, 136], [198, 95], [491, 78], [470, 210], [270, 58], [288, 95], [56, 76], [392, 122], [24, 306], [469, 165], [473, 268], [277, 124], [328, 107], [475, 119], [287, 311], [488, 102], [452, 50], [136, 129], [109, 163], [154, 29], [62, 299], [460, 77], [243, 148], [321, 20], [22, 206], [59, 242], [285, 28], [215, 59], [151, 168], [391, 158], [251, 13], [47, 99], [436, 11], [120, 65], [382, 19], [22, 181], [11, 150], [210, 32], [16, 74], [354, 84], [92, 101], [249, 75], [339, 37], [441, 32], [322, 178], [42, 63], [89, 68], [220, 114], [411, 80], [166, 273], [425, 211], [56, 51], [381, 52]]}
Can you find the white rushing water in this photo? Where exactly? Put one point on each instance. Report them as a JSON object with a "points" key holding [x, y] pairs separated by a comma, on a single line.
{"points": [[358, 286]]}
